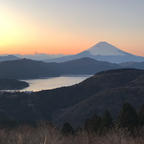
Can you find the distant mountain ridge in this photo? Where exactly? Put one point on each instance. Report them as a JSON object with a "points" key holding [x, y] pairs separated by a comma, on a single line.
{"points": [[8, 58], [40, 57], [27, 69], [136, 65], [102, 51]]}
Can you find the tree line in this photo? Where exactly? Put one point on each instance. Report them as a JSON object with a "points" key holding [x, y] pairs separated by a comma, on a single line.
{"points": [[128, 119]]}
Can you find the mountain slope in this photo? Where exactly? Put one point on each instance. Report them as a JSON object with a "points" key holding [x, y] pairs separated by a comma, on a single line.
{"points": [[105, 90], [8, 58], [12, 84], [39, 57], [85, 66], [137, 65], [112, 89], [25, 69], [103, 51]]}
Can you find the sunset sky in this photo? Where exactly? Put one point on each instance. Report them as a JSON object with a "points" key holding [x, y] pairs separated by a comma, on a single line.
{"points": [[70, 26]]}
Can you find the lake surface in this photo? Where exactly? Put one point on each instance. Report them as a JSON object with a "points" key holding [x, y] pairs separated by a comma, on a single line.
{"points": [[55, 82]]}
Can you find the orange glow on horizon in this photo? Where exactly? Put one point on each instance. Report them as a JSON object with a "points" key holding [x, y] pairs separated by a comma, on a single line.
{"points": [[73, 49], [23, 35]]}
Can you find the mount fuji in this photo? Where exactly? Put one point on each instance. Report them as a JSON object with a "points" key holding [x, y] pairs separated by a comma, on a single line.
{"points": [[105, 49], [102, 51]]}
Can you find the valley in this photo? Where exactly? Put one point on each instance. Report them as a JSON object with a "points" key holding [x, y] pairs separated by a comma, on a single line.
{"points": [[107, 90]]}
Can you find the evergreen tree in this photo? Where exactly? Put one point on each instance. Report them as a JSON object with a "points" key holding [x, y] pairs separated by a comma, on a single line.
{"points": [[107, 121], [128, 117], [93, 124], [67, 129], [141, 116]]}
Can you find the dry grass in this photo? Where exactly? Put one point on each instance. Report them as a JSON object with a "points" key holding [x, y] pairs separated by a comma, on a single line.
{"points": [[50, 135]]}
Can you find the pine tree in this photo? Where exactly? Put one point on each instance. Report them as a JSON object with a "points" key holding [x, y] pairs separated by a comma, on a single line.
{"points": [[128, 117], [107, 121], [141, 116], [93, 124], [67, 129]]}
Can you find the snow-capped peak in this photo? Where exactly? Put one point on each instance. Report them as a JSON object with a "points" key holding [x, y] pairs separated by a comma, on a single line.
{"points": [[104, 48]]}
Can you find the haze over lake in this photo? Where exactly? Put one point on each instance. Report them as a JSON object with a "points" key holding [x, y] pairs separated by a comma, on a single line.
{"points": [[55, 82]]}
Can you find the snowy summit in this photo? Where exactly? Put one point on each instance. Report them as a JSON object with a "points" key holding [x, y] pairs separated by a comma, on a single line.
{"points": [[104, 48]]}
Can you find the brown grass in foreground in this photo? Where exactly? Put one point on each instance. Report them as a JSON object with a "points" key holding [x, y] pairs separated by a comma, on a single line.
{"points": [[50, 135]]}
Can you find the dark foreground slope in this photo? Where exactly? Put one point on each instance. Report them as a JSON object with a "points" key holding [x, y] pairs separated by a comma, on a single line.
{"points": [[25, 69], [105, 91], [12, 84], [112, 90]]}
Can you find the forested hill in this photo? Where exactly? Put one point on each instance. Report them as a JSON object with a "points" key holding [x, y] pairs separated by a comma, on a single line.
{"points": [[107, 90], [25, 68], [12, 84]]}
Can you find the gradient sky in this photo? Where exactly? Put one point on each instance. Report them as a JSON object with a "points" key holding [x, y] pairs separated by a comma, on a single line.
{"points": [[70, 26]]}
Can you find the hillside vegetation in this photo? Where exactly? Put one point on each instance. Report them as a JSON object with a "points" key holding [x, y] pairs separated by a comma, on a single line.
{"points": [[26, 69], [106, 90], [12, 84]]}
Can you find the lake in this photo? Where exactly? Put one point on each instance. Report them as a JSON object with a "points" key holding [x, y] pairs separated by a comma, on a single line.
{"points": [[52, 83]]}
